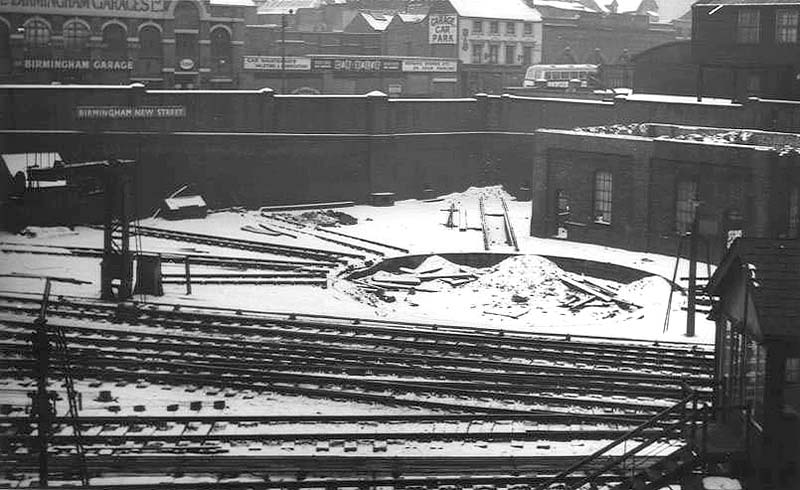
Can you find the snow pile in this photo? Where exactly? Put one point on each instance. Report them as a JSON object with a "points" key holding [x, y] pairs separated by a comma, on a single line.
{"points": [[524, 274], [51, 232], [493, 191], [436, 264], [645, 291], [634, 129]]}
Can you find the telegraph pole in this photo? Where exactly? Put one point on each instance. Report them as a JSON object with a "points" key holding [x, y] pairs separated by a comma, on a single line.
{"points": [[692, 300]]}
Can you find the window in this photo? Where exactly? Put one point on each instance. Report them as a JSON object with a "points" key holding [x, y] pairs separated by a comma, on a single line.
{"points": [[511, 53], [37, 33], [748, 27], [603, 187], [527, 28], [477, 53], [221, 50], [511, 28], [786, 22], [477, 27], [527, 55], [115, 41], [685, 205], [76, 35], [794, 213], [791, 393], [494, 27], [494, 54], [754, 377], [187, 16], [151, 55], [562, 204]]}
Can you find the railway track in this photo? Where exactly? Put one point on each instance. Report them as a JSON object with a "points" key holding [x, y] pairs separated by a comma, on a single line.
{"points": [[505, 393]]}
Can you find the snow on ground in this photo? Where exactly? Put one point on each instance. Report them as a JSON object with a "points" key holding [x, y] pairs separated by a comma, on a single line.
{"points": [[412, 224]]}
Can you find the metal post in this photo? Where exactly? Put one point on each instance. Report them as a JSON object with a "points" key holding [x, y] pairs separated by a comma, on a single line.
{"points": [[188, 277], [41, 349], [283, 53], [691, 306]]}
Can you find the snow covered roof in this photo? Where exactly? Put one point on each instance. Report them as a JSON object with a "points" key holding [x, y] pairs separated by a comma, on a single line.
{"points": [[773, 270], [174, 203], [747, 2], [233, 3], [669, 10], [20, 162], [376, 20], [572, 5], [284, 6], [496, 9], [412, 18]]}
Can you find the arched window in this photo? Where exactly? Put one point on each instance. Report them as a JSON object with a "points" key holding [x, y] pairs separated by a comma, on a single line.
{"points": [[221, 50], [150, 42], [115, 41], [5, 49], [76, 35], [187, 16], [37, 33], [151, 54]]}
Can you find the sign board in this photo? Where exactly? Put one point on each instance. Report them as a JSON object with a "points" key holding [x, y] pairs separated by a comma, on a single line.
{"points": [[130, 112], [442, 28], [92, 8], [275, 63], [186, 64], [395, 88], [430, 66], [357, 65], [68, 64]]}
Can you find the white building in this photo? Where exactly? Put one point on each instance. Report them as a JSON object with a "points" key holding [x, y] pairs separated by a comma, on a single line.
{"points": [[498, 32]]}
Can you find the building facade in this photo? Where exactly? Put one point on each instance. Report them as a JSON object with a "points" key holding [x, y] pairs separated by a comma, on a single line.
{"points": [[162, 43], [756, 43], [641, 186], [495, 41]]}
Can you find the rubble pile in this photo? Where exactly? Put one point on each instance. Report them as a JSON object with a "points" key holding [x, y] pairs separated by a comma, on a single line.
{"points": [[514, 287], [328, 217]]}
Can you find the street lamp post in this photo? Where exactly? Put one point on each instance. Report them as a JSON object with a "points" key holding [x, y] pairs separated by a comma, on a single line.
{"points": [[283, 51]]}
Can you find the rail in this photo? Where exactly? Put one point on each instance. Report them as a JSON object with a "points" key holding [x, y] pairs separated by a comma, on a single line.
{"points": [[512, 237], [687, 420]]}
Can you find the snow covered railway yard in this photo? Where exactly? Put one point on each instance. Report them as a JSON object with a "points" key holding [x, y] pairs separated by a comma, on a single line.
{"points": [[393, 350]]}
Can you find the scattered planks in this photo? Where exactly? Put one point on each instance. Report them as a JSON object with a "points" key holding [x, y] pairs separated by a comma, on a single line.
{"points": [[596, 292]]}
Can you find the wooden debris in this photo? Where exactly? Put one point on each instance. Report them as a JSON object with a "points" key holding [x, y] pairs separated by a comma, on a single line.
{"points": [[509, 312], [253, 229]]}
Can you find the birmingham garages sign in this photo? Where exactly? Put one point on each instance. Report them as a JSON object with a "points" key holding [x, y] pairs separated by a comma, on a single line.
{"points": [[442, 29], [77, 64], [117, 8]]}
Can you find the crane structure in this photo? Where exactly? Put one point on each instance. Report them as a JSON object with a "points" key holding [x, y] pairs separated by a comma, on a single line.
{"points": [[114, 178]]}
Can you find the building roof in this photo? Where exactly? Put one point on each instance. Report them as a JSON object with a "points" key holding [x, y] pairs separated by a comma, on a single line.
{"points": [[376, 20], [569, 5], [175, 203], [496, 9], [411, 18], [284, 6], [233, 3], [747, 2], [773, 272], [669, 10]]}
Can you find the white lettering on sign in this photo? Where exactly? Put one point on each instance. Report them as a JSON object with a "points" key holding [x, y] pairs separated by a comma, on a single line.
{"points": [[117, 8], [442, 29], [431, 66], [275, 63], [129, 112], [73, 64]]}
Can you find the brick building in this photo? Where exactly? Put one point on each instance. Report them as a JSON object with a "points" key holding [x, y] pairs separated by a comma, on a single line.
{"points": [[637, 186], [757, 372], [162, 43], [755, 42]]}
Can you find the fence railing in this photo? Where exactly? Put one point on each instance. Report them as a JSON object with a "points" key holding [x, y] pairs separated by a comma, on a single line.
{"points": [[673, 428]]}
